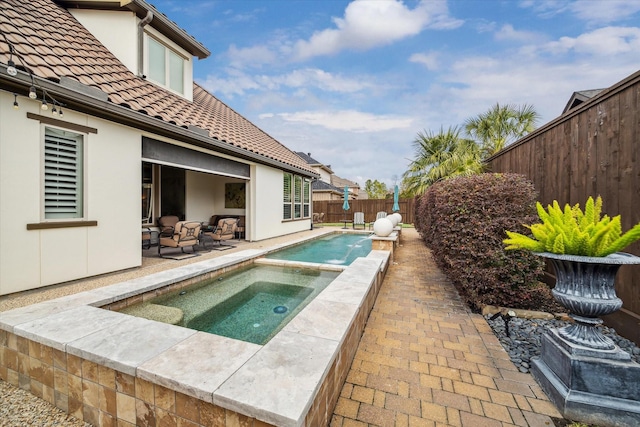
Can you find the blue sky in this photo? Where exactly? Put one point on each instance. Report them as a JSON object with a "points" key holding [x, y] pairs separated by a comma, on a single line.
{"points": [[353, 82]]}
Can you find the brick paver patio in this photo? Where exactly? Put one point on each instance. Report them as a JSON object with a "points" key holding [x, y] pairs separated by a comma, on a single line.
{"points": [[425, 360]]}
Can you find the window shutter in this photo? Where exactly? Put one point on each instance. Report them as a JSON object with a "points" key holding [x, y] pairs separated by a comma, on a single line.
{"points": [[297, 197], [287, 196], [62, 174], [307, 196]]}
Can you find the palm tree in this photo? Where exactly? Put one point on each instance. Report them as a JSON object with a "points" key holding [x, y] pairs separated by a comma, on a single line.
{"points": [[500, 126], [439, 156]]}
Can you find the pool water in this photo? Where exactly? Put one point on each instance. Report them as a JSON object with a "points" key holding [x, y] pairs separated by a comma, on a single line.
{"points": [[254, 313], [250, 304], [339, 249]]}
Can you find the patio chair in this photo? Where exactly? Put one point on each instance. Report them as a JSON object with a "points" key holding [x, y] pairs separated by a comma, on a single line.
{"points": [[378, 216], [225, 230], [241, 227], [358, 220], [318, 219], [185, 235], [167, 224]]}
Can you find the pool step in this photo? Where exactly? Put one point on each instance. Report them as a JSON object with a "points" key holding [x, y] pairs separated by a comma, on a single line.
{"points": [[159, 313]]}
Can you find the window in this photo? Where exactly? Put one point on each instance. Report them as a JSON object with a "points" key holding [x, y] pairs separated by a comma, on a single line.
{"points": [[297, 197], [63, 174], [287, 196], [297, 193], [165, 66], [306, 202]]}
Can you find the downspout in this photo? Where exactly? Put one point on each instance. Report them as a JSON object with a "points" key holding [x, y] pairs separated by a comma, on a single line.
{"points": [[147, 19]]}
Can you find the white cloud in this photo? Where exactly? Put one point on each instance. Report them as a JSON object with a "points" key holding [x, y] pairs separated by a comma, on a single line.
{"points": [[608, 41], [235, 84], [357, 156], [592, 11], [429, 60], [313, 77], [508, 33], [546, 8], [474, 84], [307, 79], [484, 26], [254, 55], [368, 24], [604, 12], [348, 120]]}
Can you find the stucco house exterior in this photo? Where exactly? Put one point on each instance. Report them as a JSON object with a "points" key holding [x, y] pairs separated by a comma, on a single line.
{"points": [[103, 130]]}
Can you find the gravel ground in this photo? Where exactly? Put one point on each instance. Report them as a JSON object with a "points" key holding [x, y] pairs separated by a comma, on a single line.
{"points": [[525, 335], [22, 409]]}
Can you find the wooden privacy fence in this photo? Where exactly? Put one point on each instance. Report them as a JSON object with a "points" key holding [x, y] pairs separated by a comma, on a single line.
{"points": [[593, 149], [333, 211]]}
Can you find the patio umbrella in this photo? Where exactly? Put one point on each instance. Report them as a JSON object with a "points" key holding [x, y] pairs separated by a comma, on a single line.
{"points": [[395, 208], [345, 205]]}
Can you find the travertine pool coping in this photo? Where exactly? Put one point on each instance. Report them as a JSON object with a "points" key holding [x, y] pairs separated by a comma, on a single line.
{"points": [[275, 383]]}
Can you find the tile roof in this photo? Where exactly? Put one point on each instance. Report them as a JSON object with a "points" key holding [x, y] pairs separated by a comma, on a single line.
{"points": [[341, 182], [307, 158], [324, 186], [313, 162], [51, 44]]}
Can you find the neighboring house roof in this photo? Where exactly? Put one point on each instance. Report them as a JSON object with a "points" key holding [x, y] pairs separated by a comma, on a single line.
{"points": [[579, 97], [320, 186], [51, 44], [341, 182], [313, 162]]}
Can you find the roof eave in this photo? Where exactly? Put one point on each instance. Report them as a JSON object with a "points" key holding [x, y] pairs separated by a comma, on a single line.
{"points": [[107, 110], [160, 21]]}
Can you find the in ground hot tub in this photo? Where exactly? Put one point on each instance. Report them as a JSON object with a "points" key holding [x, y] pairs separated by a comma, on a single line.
{"points": [[251, 304]]}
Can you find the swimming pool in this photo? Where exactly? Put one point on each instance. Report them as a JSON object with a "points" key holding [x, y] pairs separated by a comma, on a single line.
{"points": [[250, 304], [337, 249], [293, 380]]}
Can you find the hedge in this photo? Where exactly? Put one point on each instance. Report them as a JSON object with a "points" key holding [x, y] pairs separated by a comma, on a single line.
{"points": [[463, 222]]}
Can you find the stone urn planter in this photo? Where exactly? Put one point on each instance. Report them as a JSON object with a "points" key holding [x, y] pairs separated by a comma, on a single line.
{"points": [[585, 286], [584, 373]]}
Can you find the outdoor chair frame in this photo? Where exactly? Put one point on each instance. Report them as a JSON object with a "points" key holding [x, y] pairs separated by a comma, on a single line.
{"points": [[185, 234], [225, 230], [358, 220]]}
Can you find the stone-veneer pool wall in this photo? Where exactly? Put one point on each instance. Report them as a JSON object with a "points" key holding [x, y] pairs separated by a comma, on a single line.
{"points": [[103, 396]]}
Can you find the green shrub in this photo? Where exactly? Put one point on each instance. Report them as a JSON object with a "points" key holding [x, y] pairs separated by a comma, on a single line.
{"points": [[463, 221], [573, 232]]}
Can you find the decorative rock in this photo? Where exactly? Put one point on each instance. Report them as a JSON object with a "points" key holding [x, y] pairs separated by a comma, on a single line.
{"points": [[515, 312], [383, 227], [398, 218], [524, 340], [393, 219]]}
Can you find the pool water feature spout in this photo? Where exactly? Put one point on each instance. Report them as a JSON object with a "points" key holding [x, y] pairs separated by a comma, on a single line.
{"points": [[338, 249], [352, 247]]}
